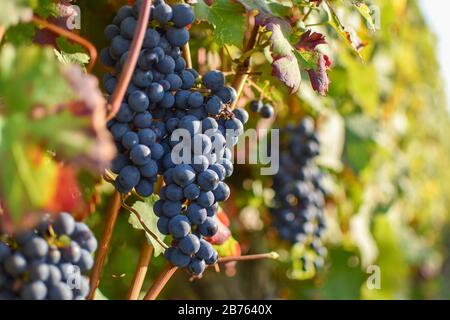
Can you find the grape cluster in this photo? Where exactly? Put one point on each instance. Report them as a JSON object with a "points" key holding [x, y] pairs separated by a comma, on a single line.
{"points": [[265, 110], [47, 263], [169, 107], [298, 212]]}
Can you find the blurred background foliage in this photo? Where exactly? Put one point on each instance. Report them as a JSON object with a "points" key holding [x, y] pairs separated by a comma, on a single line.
{"points": [[385, 133]]}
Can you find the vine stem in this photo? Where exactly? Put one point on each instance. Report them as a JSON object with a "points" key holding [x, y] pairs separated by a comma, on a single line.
{"points": [[243, 68], [71, 36], [2, 33], [187, 55], [160, 282], [307, 14], [131, 61], [260, 256], [142, 222], [144, 260], [105, 241], [141, 270]]}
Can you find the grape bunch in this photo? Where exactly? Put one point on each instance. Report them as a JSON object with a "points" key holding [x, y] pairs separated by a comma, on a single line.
{"points": [[265, 110], [298, 211], [47, 263], [180, 123]]}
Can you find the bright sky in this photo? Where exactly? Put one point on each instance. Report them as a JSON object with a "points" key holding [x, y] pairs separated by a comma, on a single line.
{"points": [[436, 13]]}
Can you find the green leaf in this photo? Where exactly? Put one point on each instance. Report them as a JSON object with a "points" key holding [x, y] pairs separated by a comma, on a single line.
{"points": [[348, 34], [365, 12], [23, 73], [228, 20], [26, 176], [14, 11], [359, 144], [98, 295], [21, 34], [145, 209], [45, 8], [72, 58]]}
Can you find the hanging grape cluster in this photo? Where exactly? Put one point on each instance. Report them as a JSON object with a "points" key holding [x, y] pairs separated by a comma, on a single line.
{"points": [[49, 262], [298, 212], [264, 109], [168, 107]]}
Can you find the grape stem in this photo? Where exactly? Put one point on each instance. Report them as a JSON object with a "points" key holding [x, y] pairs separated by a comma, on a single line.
{"points": [[71, 36], [260, 256], [144, 226], [160, 282], [243, 68], [131, 61], [141, 271], [307, 13], [104, 244], [144, 260], [187, 55], [2, 33]]}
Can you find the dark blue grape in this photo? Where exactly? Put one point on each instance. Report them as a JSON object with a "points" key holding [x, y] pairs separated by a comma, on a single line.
{"points": [[138, 101], [142, 78], [256, 105], [214, 80], [196, 214], [127, 27], [35, 290], [266, 111], [144, 188], [183, 175], [142, 120], [191, 192], [119, 45], [147, 137], [214, 105], [179, 259], [179, 226], [177, 37], [189, 244], [149, 170], [111, 31], [197, 266], [129, 177], [162, 13], [151, 39], [155, 92], [130, 139], [183, 15], [209, 227], [187, 79], [195, 100]]}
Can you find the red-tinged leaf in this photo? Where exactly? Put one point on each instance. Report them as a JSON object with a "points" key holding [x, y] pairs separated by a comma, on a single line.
{"points": [[222, 235], [310, 40], [67, 195], [284, 66], [223, 217], [229, 248], [91, 105], [319, 77]]}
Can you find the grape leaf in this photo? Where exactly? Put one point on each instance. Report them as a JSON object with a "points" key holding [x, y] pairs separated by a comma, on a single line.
{"points": [[348, 34], [23, 72], [284, 66], [228, 248], [14, 11], [145, 209], [365, 12], [228, 20]]}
